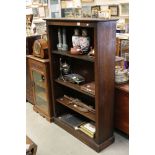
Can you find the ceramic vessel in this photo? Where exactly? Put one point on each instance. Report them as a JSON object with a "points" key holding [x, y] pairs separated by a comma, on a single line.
{"points": [[84, 41], [59, 45], [64, 45], [121, 75], [75, 39]]}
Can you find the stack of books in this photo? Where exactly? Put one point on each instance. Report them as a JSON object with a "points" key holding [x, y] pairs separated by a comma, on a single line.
{"points": [[72, 120], [89, 129]]}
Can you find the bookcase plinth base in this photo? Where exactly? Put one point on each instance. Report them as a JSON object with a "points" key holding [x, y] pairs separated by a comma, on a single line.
{"points": [[83, 137]]}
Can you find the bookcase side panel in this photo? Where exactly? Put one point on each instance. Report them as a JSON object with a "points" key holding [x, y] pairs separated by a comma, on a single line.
{"points": [[50, 47], [104, 79]]}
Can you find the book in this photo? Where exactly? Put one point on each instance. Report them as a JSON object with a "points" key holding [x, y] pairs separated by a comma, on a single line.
{"points": [[88, 128], [72, 120], [87, 133]]}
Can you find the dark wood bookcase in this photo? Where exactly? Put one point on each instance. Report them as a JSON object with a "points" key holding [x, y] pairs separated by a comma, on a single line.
{"points": [[99, 69]]}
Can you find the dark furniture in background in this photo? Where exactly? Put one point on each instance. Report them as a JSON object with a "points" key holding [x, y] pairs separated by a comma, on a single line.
{"points": [[122, 46], [29, 44], [32, 149], [40, 82], [100, 69], [121, 108]]}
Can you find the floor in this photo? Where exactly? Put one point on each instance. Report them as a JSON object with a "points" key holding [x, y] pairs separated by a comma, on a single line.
{"points": [[52, 140]]}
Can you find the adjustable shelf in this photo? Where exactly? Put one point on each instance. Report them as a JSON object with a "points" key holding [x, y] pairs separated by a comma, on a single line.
{"points": [[67, 53], [99, 70], [65, 102], [73, 86]]}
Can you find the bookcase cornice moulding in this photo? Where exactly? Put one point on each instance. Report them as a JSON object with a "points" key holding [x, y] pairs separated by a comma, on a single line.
{"points": [[106, 2]]}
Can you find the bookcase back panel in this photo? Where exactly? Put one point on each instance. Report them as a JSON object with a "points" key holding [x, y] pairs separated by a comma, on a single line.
{"points": [[53, 33], [87, 70], [72, 93]]}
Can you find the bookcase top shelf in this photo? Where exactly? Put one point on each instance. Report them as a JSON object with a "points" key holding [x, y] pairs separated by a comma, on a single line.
{"points": [[81, 19]]}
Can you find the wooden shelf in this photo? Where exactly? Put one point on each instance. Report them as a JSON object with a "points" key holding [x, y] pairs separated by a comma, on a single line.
{"points": [[65, 102], [82, 57], [73, 86]]}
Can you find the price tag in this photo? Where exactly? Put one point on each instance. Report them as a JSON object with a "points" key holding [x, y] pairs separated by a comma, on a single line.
{"points": [[78, 24]]}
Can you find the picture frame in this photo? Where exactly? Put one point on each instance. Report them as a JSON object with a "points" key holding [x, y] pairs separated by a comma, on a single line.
{"points": [[86, 11], [68, 13], [54, 1], [41, 12], [29, 19], [114, 10], [94, 11], [44, 1], [35, 12], [77, 12], [124, 9], [106, 14]]}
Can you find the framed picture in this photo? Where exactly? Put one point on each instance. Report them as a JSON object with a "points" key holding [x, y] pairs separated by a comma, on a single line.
{"points": [[77, 12], [44, 1], [94, 11], [114, 10], [36, 1], [68, 13], [29, 19], [86, 11], [87, 1], [54, 1], [106, 14], [35, 12], [124, 9]]}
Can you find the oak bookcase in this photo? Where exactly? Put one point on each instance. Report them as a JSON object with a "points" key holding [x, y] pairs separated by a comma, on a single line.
{"points": [[99, 69]]}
